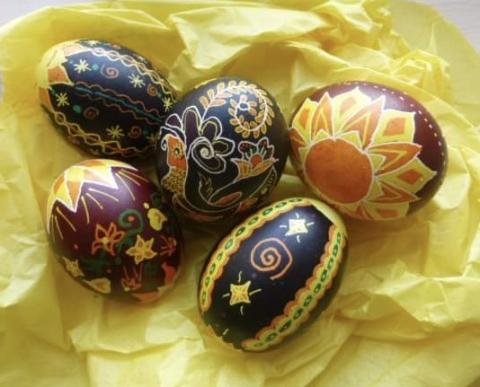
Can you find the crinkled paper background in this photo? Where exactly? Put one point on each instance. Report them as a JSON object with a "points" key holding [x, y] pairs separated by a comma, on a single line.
{"points": [[408, 311]]}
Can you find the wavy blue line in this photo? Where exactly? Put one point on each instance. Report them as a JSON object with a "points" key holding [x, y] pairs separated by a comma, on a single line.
{"points": [[119, 101]]}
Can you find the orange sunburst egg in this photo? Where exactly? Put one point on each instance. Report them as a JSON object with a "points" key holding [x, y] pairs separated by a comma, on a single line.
{"points": [[371, 151]]}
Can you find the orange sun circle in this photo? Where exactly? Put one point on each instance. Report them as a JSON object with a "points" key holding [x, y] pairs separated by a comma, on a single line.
{"points": [[360, 154], [339, 170]]}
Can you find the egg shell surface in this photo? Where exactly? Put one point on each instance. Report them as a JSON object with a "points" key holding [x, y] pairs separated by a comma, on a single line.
{"points": [[371, 151], [222, 150], [105, 98], [273, 273], [110, 231]]}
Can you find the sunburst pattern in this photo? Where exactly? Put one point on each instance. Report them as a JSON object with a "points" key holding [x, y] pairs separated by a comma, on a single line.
{"points": [[67, 188], [51, 70], [358, 155]]}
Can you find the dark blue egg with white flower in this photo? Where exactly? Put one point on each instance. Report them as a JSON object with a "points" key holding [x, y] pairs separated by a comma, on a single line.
{"points": [[222, 149], [105, 98]]}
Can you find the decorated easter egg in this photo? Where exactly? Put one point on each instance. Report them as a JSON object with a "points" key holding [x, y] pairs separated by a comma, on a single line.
{"points": [[103, 97], [273, 273], [222, 149], [371, 151], [110, 231]]}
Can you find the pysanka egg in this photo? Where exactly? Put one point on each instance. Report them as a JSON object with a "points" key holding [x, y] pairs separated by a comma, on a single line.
{"points": [[222, 149], [103, 97], [109, 230], [272, 273], [371, 151]]}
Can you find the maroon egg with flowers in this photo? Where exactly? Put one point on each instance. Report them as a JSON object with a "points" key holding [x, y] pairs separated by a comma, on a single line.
{"points": [[110, 231], [371, 151]]}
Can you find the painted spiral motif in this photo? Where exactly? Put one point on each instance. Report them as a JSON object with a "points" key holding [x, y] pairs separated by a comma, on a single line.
{"points": [[135, 132], [271, 255], [109, 72], [152, 90], [272, 273], [90, 113], [252, 113]]}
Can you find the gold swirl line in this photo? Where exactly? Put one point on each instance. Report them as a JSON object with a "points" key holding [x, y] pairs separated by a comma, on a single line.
{"points": [[109, 72], [90, 112], [269, 260], [269, 263], [152, 90]]}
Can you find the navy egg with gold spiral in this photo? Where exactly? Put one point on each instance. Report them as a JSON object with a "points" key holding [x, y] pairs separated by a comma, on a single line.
{"points": [[222, 149], [273, 273], [104, 98]]}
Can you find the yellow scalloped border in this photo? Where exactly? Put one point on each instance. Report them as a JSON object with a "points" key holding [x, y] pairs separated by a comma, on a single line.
{"points": [[296, 312], [231, 243]]}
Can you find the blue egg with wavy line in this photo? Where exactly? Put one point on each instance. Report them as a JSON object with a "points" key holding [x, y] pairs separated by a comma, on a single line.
{"points": [[105, 98]]}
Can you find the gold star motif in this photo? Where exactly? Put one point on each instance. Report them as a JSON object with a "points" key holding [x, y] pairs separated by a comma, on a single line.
{"points": [[136, 81], [115, 132], [73, 268], [142, 250], [240, 293], [296, 226], [167, 103], [62, 100], [81, 66]]}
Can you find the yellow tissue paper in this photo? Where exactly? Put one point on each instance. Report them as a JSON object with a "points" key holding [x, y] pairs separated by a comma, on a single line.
{"points": [[408, 311]]}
